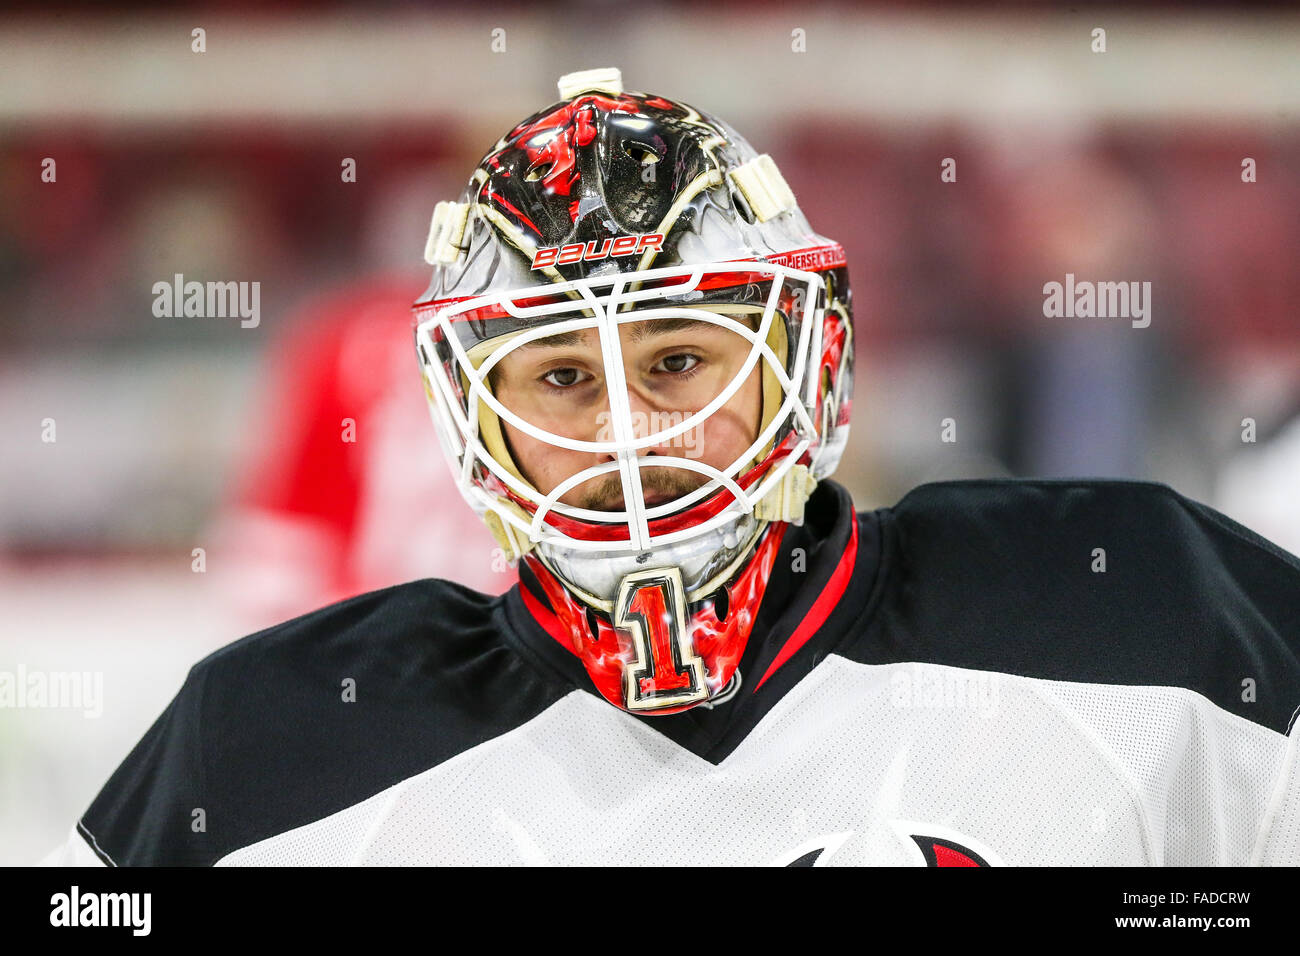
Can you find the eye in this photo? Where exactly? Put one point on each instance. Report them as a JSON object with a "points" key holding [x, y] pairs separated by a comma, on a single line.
{"points": [[563, 377], [537, 172], [681, 362]]}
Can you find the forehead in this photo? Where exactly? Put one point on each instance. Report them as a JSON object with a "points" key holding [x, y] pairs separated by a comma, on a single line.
{"points": [[636, 332]]}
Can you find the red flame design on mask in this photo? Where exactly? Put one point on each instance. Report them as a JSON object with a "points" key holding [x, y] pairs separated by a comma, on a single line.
{"points": [[720, 643], [555, 138]]}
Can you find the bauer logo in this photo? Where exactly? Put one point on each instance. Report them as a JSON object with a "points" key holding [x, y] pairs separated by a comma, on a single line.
{"points": [[595, 250]]}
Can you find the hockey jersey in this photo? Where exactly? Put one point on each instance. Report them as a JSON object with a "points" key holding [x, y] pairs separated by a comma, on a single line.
{"points": [[990, 672]]}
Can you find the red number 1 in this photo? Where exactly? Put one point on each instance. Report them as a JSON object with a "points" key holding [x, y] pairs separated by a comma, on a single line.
{"points": [[666, 672]]}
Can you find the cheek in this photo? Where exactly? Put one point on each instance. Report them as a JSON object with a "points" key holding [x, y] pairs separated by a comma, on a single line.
{"points": [[754, 401], [529, 453], [543, 464], [733, 428]]}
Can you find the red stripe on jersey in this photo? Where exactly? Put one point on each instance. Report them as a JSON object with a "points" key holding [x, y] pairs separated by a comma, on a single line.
{"points": [[544, 616], [822, 607]]}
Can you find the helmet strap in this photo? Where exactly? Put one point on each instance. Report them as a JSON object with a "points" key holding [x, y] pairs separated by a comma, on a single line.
{"points": [[786, 501]]}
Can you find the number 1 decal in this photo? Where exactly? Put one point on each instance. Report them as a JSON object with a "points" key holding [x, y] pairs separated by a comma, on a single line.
{"points": [[666, 671]]}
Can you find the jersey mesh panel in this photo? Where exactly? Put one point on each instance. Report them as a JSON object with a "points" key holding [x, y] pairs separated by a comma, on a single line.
{"points": [[332, 841], [1282, 841], [1042, 772], [1197, 766]]}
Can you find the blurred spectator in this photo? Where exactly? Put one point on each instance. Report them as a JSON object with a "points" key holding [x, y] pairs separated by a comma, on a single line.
{"points": [[315, 517]]}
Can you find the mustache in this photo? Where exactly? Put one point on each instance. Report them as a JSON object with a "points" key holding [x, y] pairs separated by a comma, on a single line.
{"points": [[661, 481]]}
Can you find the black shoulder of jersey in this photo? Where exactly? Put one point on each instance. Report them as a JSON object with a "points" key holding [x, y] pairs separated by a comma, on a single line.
{"points": [[311, 716], [1099, 581]]}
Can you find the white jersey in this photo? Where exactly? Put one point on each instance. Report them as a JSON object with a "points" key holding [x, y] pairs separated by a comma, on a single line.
{"points": [[996, 673]]}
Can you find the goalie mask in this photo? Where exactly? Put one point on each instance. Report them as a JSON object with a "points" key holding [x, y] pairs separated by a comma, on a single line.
{"points": [[638, 357]]}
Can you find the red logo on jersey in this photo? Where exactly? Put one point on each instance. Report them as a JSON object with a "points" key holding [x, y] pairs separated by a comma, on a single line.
{"points": [[592, 252], [939, 852]]}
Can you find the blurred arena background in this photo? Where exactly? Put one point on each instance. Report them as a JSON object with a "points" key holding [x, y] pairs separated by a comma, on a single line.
{"points": [[177, 434]]}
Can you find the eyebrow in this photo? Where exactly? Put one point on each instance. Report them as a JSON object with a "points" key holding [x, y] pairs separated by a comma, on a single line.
{"points": [[664, 326], [563, 340]]}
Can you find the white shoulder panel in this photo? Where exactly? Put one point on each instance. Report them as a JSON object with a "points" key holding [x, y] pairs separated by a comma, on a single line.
{"points": [[1279, 843], [858, 764]]}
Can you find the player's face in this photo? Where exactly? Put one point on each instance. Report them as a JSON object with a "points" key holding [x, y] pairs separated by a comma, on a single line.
{"points": [[674, 367]]}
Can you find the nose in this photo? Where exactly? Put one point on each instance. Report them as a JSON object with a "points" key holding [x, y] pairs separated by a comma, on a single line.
{"points": [[647, 418]]}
